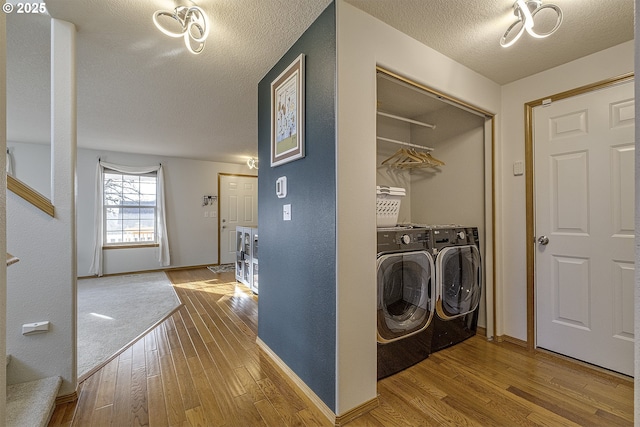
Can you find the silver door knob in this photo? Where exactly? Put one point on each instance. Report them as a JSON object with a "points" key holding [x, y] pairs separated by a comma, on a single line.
{"points": [[543, 240]]}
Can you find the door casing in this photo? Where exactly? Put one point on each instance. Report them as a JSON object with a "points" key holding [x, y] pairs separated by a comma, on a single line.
{"points": [[530, 194]]}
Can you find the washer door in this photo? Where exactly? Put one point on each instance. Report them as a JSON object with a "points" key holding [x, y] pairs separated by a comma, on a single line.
{"points": [[459, 281], [406, 288]]}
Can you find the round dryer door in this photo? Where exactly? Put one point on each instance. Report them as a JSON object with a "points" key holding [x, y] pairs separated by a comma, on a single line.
{"points": [[405, 294], [459, 280]]}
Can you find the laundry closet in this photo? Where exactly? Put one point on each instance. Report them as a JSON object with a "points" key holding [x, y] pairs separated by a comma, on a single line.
{"points": [[434, 148]]}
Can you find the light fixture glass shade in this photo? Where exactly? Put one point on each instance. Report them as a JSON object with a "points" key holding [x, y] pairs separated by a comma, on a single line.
{"points": [[526, 11], [193, 24]]}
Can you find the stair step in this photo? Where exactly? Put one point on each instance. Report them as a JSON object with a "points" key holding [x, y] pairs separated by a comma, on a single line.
{"points": [[32, 403]]}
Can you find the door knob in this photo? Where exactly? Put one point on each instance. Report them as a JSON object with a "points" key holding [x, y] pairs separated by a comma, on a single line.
{"points": [[543, 240]]}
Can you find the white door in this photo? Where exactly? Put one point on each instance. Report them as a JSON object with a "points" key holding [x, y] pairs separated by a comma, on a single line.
{"points": [[238, 207], [584, 186]]}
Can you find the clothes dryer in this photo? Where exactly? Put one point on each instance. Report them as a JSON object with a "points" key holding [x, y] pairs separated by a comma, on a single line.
{"points": [[406, 298], [458, 272]]}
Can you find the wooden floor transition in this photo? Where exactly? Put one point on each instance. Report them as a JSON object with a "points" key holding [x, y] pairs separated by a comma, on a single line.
{"points": [[202, 367]]}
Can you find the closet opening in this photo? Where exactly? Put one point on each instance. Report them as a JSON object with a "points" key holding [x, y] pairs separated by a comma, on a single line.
{"points": [[440, 150]]}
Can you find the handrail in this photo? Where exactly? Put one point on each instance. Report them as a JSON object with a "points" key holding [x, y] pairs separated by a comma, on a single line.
{"points": [[30, 195]]}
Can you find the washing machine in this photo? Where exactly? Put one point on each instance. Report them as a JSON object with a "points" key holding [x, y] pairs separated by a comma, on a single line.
{"points": [[458, 278], [405, 298]]}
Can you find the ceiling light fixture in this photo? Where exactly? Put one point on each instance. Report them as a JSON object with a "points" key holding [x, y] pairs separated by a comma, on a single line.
{"points": [[193, 22], [526, 12]]}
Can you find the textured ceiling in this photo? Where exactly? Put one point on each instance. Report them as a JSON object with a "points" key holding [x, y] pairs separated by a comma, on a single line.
{"points": [[469, 31], [140, 91]]}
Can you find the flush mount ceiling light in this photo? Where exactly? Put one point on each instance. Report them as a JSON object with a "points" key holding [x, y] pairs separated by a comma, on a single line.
{"points": [[526, 12], [193, 25]]}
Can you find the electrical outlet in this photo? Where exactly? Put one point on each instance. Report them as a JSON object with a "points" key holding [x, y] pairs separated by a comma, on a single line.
{"points": [[286, 212]]}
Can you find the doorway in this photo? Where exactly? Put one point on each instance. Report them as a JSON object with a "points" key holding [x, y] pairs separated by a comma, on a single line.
{"points": [[580, 223], [238, 208]]}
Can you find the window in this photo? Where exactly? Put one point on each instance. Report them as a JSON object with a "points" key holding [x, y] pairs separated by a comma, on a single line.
{"points": [[129, 208]]}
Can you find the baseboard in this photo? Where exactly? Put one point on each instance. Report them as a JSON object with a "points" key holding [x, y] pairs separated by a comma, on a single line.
{"points": [[124, 273], [481, 331], [512, 340], [356, 412], [302, 388], [296, 382]]}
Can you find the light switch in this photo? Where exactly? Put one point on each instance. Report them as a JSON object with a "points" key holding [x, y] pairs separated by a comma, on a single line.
{"points": [[286, 212], [35, 328], [213, 214], [206, 214], [518, 168]]}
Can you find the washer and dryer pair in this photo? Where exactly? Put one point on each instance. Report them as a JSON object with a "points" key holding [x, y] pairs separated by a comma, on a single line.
{"points": [[428, 284]]}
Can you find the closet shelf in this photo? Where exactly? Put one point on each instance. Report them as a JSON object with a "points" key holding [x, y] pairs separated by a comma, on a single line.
{"points": [[404, 119]]}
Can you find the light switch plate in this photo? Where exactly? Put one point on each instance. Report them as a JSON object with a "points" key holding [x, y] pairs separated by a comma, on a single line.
{"points": [[286, 212], [518, 168]]}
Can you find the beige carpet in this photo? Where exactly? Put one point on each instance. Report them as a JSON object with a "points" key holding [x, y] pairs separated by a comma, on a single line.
{"points": [[113, 311]]}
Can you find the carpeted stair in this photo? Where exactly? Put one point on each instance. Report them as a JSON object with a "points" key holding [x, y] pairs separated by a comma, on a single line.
{"points": [[32, 403]]}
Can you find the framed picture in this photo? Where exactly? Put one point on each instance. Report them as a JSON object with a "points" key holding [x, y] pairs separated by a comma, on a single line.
{"points": [[287, 114]]}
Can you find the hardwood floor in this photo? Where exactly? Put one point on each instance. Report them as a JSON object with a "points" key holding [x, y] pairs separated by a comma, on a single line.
{"points": [[201, 367]]}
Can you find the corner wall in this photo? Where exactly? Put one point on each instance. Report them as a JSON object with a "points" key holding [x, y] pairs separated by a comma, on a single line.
{"points": [[363, 43], [297, 257], [590, 69], [3, 209], [42, 285], [636, 67]]}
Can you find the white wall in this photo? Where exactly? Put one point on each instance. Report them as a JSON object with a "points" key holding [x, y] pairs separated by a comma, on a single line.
{"points": [[193, 239], [32, 165], [512, 255], [3, 200], [42, 285], [636, 402], [363, 43]]}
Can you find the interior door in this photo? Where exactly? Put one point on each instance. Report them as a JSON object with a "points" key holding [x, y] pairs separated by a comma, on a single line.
{"points": [[584, 186], [238, 207]]}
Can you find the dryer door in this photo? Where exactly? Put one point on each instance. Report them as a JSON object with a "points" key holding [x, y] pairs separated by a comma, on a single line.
{"points": [[406, 288], [459, 285]]}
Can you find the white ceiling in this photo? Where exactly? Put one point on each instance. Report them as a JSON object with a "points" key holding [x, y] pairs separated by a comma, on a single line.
{"points": [[140, 91]]}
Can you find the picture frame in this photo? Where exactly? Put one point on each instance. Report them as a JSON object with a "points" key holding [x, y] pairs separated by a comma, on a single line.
{"points": [[287, 114]]}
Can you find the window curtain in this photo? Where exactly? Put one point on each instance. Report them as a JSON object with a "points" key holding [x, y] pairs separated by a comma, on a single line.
{"points": [[98, 218]]}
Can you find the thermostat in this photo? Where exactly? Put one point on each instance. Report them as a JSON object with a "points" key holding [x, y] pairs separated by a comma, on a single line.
{"points": [[281, 187]]}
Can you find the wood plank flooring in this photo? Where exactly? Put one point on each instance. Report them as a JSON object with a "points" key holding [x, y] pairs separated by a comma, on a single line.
{"points": [[201, 367]]}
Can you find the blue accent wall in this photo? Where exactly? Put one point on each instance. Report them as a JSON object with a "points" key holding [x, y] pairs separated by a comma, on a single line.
{"points": [[297, 300]]}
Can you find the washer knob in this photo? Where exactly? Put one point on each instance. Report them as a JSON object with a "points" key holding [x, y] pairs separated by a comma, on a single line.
{"points": [[405, 238], [461, 235]]}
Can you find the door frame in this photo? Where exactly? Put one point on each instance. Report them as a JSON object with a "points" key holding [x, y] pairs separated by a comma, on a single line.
{"points": [[490, 230], [220, 174], [530, 190]]}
